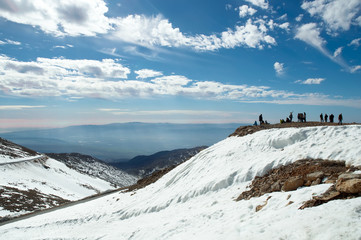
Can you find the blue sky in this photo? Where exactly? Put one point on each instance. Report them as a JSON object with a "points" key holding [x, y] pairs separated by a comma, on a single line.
{"points": [[95, 62]]}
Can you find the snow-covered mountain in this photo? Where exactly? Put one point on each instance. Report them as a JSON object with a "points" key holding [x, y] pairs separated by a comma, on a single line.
{"points": [[30, 181], [145, 165], [197, 200], [94, 167]]}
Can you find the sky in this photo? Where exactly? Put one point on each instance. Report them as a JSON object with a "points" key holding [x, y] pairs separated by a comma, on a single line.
{"points": [[81, 62]]}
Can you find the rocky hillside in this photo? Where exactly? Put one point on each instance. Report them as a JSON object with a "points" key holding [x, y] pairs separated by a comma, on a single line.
{"points": [[94, 167], [30, 181], [146, 165], [10, 150]]}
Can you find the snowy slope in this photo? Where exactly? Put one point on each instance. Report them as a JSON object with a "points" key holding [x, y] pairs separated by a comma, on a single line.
{"points": [[40, 182], [11, 152], [196, 200], [94, 167]]}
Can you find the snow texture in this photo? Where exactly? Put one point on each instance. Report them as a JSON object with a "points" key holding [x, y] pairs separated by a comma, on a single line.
{"points": [[196, 199]]}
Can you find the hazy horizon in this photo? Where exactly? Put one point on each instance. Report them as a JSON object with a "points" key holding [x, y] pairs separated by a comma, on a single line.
{"points": [[121, 141]]}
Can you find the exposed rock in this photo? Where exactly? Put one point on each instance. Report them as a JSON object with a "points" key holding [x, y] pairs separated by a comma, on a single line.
{"points": [[316, 182], [349, 185], [314, 176], [347, 176], [245, 130], [277, 186], [293, 183], [265, 187], [308, 183], [331, 193], [317, 170], [259, 207]]}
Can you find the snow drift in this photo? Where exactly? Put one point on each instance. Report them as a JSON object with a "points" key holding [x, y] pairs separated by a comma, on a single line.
{"points": [[197, 199]]}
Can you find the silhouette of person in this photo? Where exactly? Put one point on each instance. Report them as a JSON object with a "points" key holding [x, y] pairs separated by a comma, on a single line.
{"points": [[326, 117], [304, 116], [331, 118], [260, 118], [340, 118], [321, 117], [291, 116]]}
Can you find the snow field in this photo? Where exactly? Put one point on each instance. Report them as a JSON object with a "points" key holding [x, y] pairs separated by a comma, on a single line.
{"points": [[196, 200]]}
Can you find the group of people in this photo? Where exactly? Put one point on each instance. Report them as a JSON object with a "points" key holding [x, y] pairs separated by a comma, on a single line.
{"points": [[325, 119], [261, 122], [302, 118]]}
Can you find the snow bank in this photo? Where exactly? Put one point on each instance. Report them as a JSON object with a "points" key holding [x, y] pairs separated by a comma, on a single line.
{"points": [[196, 200]]}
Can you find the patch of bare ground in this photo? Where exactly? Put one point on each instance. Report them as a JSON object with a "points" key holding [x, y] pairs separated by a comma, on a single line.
{"points": [[245, 130], [155, 176], [16, 200], [141, 183], [309, 172]]}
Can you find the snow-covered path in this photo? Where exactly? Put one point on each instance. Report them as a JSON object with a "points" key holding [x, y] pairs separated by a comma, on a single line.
{"points": [[21, 160], [196, 200]]}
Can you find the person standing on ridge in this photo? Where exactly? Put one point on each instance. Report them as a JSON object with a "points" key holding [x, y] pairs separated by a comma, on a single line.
{"points": [[340, 118], [331, 118], [260, 118], [291, 116], [326, 117], [304, 116], [321, 117]]}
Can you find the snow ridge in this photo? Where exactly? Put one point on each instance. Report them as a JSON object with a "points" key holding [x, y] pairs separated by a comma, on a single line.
{"points": [[196, 199]]}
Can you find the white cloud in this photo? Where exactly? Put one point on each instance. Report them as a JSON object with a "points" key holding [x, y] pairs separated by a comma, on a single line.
{"points": [[11, 42], [147, 73], [69, 79], [73, 78], [245, 11], [156, 31], [87, 18], [279, 68], [311, 81], [169, 112], [337, 52], [284, 26], [283, 17], [18, 107], [64, 47], [355, 68], [337, 14], [310, 34], [316, 99], [59, 18], [355, 42], [107, 68], [228, 6], [259, 3], [299, 18]]}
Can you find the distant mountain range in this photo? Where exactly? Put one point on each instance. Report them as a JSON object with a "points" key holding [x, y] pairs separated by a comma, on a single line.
{"points": [[145, 165], [121, 141]]}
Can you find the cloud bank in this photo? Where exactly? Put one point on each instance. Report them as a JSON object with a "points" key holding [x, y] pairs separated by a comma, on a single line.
{"points": [[109, 80], [88, 18]]}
